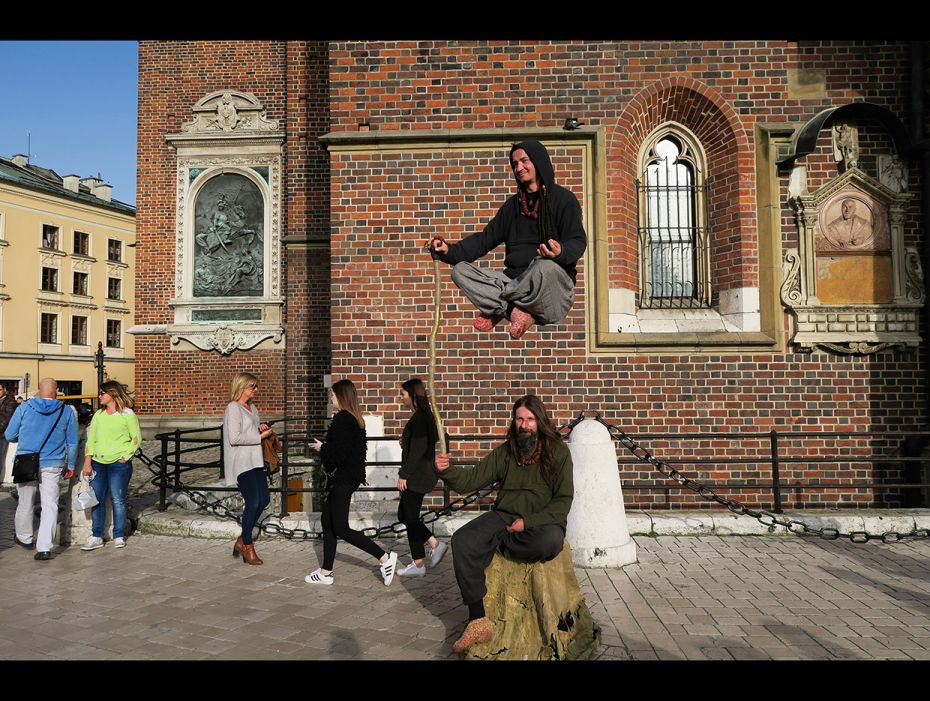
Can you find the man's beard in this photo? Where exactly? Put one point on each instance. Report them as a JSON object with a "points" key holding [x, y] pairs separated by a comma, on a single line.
{"points": [[526, 442]]}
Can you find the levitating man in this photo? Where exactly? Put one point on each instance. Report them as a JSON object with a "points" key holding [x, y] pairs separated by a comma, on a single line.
{"points": [[540, 227]]}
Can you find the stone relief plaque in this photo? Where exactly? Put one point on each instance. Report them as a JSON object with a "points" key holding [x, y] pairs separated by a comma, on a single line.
{"points": [[229, 220], [892, 173], [852, 221]]}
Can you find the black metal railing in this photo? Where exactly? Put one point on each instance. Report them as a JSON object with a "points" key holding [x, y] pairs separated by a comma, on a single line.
{"points": [[178, 445]]}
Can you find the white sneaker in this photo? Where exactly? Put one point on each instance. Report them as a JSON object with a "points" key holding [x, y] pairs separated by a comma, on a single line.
{"points": [[317, 577], [93, 542], [412, 570], [387, 569], [119, 542], [435, 555]]}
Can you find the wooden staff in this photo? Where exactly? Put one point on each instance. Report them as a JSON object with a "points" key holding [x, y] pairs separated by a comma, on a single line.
{"points": [[432, 355]]}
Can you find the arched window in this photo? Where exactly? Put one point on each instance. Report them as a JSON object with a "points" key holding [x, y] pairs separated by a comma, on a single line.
{"points": [[674, 250]]}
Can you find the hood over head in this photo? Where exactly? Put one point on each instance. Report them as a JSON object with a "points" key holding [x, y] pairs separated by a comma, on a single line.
{"points": [[540, 157]]}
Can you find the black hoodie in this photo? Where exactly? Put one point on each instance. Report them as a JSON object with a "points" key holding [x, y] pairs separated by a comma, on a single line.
{"points": [[522, 234]]}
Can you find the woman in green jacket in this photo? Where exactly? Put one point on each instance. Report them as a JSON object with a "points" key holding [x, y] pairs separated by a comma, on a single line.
{"points": [[112, 440]]}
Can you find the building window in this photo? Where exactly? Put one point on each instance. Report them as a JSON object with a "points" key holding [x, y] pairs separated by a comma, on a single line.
{"points": [[79, 330], [50, 279], [50, 237], [674, 251], [114, 287], [49, 331], [113, 333], [81, 243], [80, 284], [115, 250]]}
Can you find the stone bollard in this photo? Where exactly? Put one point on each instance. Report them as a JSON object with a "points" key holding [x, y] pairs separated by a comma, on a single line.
{"points": [[78, 521], [537, 612], [597, 522]]}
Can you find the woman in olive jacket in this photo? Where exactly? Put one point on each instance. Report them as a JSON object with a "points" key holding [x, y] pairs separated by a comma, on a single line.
{"points": [[418, 477]]}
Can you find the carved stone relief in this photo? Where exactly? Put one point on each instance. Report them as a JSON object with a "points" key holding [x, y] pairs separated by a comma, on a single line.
{"points": [[892, 173], [228, 111], [229, 219], [851, 285], [852, 220], [228, 239]]}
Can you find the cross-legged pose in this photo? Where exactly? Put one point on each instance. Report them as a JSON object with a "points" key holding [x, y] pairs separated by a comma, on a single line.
{"points": [[541, 230]]}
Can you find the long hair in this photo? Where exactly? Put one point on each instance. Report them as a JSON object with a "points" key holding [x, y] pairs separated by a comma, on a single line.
{"points": [[417, 391], [118, 394], [239, 383], [348, 400], [547, 435]]}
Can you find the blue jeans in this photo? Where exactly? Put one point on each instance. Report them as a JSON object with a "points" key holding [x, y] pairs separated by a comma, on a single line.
{"points": [[113, 478], [254, 487]]}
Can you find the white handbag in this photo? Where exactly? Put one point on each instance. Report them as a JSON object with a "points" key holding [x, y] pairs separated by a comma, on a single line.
{"points": [[87, 498]]}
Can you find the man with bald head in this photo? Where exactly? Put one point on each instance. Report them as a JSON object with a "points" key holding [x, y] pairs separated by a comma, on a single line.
{"points": [[43, 425]]}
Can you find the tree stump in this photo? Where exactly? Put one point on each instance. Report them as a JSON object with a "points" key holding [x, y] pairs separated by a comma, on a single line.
{"points": [[537, 612]]}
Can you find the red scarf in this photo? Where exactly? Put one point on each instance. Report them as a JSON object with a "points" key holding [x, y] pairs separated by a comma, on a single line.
{"points": [[532, 213]]}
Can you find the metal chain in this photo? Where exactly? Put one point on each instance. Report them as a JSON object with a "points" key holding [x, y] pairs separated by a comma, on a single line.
{"points": [[220, 509], [766, 518]]}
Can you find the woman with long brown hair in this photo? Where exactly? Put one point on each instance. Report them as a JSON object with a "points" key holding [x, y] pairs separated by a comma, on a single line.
{"points": [[417, 477], [343, 457], [112, 439], [243, 465]]}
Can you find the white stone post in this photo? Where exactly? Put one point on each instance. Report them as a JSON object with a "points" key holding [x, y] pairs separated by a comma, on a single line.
{"points": [[597, 529]]}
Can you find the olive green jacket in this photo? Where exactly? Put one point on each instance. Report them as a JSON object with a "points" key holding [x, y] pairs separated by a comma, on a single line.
{"points": [[523, 492]]}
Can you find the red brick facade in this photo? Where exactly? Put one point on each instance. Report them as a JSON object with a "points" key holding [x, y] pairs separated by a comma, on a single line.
{"points": [[363, 307]]}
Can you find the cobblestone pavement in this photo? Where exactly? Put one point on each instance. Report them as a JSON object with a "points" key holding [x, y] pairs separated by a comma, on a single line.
{"points": [[755, 598]]}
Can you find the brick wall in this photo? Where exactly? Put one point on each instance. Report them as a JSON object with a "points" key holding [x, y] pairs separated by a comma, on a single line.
{"points": [[289, 79], [381, 207], [385, 205]]}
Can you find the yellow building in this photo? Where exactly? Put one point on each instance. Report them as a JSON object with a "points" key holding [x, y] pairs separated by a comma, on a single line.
{"points": [[67, 262]]}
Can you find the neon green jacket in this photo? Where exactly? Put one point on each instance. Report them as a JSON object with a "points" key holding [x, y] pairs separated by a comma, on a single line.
{"points": [[113, 436]]}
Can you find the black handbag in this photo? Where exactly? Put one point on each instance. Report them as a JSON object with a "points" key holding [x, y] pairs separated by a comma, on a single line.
{"points": [[26, 465]]}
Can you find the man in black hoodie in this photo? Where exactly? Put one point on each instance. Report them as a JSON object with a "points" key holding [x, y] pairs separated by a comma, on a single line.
{"points": [[541, 229]]}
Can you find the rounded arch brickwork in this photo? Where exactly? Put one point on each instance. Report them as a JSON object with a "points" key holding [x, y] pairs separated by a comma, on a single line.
{"points": [[731, 208]]}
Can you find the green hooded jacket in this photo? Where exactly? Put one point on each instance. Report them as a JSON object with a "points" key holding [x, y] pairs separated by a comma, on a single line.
{"points": [[523, 492]]}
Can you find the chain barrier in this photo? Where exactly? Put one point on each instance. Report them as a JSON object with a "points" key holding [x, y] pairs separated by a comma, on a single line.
{"points": [[218, 508], [766, 518]]}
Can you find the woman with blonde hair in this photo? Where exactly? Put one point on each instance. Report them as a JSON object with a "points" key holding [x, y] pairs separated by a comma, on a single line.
{"points": [[343, 457], [243, 465], [112, 439]]}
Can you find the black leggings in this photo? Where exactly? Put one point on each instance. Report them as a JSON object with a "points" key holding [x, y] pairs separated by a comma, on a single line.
{"points": [[254, 487], [408, 513], [335, 522]]}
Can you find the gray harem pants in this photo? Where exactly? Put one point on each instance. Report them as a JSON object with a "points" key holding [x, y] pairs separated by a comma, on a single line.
{"points": [[544, 289]]}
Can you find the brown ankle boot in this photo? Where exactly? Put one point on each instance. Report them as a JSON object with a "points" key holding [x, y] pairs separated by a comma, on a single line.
{"points": [[248, 555], [237, 547]]}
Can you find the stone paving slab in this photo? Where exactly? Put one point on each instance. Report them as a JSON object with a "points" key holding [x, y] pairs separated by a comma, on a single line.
{"points": [[687, 598]]}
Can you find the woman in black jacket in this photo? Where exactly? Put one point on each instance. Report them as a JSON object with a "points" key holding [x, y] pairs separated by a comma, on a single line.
{"points": [[343, 458], [417, 478]]}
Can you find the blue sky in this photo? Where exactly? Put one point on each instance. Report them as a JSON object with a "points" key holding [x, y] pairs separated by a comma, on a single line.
{"points": [[79, 100]]}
